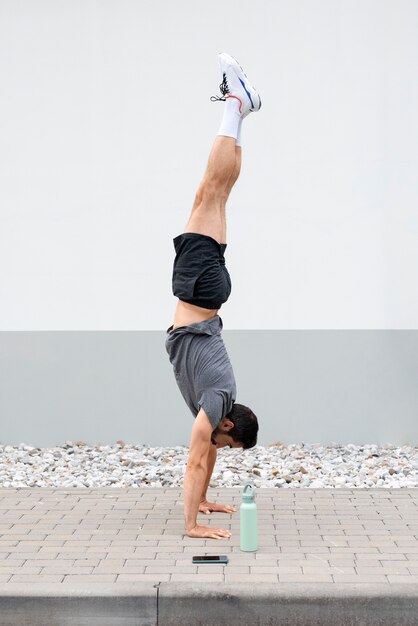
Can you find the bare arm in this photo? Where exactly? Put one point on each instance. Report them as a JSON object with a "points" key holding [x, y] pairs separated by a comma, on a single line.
{"points": [[195, 478], [205, 506], [211, 460]]}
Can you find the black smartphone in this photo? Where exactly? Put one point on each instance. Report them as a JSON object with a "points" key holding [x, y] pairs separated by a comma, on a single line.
{"points": [[210, 558]]}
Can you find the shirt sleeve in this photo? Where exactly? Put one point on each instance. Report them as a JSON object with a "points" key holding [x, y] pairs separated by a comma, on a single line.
{"points": [[215, 404]]}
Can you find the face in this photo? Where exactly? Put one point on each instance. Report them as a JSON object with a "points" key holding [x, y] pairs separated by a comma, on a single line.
{"points": [[220, 437]]}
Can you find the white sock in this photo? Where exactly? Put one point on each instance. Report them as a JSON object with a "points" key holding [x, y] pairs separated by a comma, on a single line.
{"points": [[238, 144], [231, 118]]}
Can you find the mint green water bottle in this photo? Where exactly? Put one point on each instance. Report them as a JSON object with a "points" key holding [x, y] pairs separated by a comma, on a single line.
{"points": [[248, 520]]}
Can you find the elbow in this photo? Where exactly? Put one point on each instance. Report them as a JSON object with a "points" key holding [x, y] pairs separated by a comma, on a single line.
{"points": [[196, 465]]}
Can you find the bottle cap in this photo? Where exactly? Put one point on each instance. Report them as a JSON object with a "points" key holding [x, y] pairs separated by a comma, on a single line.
{"points": [[248, 497]]}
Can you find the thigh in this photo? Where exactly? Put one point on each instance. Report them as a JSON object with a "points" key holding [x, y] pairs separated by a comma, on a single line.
{"points": [[206, 222]]}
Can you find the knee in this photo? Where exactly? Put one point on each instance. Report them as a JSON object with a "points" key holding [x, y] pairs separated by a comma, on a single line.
{"points": [[210, 191]]}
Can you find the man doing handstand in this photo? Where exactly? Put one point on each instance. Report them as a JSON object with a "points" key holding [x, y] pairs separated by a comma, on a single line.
{"points": [[202, 284]]}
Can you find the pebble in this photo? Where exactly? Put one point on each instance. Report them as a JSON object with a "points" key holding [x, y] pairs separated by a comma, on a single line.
{"points": [[77, 464]]}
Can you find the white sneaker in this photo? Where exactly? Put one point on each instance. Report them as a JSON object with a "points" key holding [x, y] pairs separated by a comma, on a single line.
{"points": [[235, 84]]}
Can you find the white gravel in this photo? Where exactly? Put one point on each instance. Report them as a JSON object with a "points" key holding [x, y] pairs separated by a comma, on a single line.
{"points": [[77, 464]]}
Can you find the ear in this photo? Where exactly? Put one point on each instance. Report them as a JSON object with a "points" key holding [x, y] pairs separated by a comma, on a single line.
{"points": [[227, 424]]}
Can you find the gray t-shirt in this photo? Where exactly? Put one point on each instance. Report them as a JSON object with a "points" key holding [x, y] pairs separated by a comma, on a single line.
{"points": [[202, 368]]}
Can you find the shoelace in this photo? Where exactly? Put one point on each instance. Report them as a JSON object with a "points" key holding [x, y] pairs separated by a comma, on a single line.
{"points": [[224, 89]]}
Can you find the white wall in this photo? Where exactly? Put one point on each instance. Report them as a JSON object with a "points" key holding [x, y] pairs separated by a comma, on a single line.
{"points": [[105, 127]]}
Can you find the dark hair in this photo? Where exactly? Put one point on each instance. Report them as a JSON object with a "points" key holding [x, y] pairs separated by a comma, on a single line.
{"points": [[245, 425]]}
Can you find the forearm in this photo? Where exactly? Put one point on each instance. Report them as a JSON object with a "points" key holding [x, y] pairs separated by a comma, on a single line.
{"points": [[194, 481], [211, 465]]}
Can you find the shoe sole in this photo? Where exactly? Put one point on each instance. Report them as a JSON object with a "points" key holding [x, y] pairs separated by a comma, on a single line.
{"points": [[251, 92]]}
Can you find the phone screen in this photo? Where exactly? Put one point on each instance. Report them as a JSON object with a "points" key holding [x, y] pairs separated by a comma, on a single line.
{"points": [[210, 557]]}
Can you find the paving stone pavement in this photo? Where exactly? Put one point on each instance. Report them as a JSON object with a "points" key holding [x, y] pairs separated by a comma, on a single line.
{"points": [[113, 535]]}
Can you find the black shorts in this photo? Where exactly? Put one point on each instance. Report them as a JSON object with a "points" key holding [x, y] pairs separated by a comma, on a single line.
{"points": [[200, 276]]}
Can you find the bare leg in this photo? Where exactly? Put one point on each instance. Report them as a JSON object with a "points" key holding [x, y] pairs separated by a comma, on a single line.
{"points": [[232, 180], [208, 212]]}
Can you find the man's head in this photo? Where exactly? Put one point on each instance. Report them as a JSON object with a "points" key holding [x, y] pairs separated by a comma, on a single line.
{"points": [[237, 430]]}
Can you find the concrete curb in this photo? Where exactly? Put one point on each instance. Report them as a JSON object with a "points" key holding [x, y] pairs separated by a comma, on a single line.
{"points": [[289, 604], [135, 604]]}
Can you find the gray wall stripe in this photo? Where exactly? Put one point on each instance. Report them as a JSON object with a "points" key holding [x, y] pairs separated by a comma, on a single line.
{"points": [[346, 386]]}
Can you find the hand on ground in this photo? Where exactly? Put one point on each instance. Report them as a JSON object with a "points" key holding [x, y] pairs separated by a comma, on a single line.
{"points": [[208, 507], [205, 532]]}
